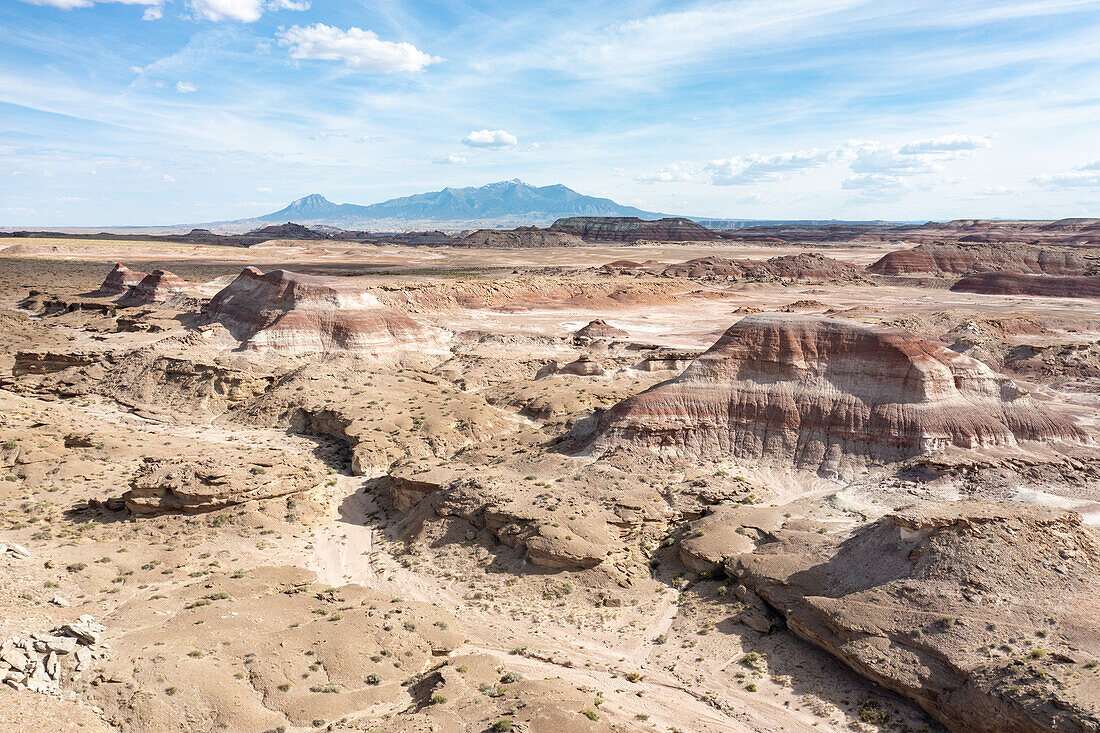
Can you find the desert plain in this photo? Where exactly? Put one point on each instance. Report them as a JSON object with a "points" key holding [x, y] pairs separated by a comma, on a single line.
{"points": [[329, 485]]}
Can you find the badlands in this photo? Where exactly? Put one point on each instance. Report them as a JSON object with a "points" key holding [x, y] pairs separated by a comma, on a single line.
{"points": [[572, 479]]}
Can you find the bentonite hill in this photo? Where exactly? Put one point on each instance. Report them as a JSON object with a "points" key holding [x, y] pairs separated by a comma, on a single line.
{"points": [[530, 481]]}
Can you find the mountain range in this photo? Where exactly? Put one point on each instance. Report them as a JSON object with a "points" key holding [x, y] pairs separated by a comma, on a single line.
{"points": [[501, 204]]}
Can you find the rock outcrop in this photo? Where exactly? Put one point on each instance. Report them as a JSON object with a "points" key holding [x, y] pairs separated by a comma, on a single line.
{"points": [[825, 394], [598, 329], [206, 484], [984, 615], [803, 266], [120, 279], [156, 287], [628, 229], [520, 238], [288, 312], [1014, 283], [963, 259]]}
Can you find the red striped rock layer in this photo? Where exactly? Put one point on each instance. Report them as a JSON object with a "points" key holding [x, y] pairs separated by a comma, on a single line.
{"points": [[1014, 283], [963, 259], [156, 287], [120, 279], [826, 394], [289, 312]]}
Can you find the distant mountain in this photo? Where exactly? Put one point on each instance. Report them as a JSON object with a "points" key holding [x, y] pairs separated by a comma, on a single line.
{"points": [[506, 203]]}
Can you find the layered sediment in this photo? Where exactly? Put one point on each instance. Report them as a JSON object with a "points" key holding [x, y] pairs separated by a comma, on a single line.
{"points": [[826, 394]]}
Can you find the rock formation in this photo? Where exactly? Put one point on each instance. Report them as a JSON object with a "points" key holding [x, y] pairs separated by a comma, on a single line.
{"points": [[628, 229], [156, 287], [206, 484], [1014, 283], [803, 266], [520, 238], [293, 313], [824, 393], [963, 259], [120, 279], [598, 329], [984, 615], [1065, 232]]}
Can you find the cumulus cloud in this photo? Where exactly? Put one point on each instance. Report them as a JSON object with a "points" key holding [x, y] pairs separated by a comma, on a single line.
{"points": [[246, 11], [763, 168], [153, 12], [946, 144], [357, 48], [185, 87], [1083, 176], [669, 174], [490, 139], [452, 159], [921, 156]]}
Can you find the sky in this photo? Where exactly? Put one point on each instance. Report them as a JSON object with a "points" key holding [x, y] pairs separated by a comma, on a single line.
{"points": [[147, 112]]}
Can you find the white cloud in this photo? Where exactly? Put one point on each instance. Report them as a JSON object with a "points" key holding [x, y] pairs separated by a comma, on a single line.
{"points": [[246, 11], [669, 174], [946, 144], [490, 139], [357, 48], [185, 87], [922, 156], [167, 178], [137, 69], [263, 189], [743, 170], [287, 5], [452, 159], [1083, 176], [153, 12], [763, 168]]}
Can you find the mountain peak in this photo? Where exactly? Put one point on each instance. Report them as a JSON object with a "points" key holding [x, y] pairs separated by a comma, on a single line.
{"points": [[314, 199], [502, 203]]}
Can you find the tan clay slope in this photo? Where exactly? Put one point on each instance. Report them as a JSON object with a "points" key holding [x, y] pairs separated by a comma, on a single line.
{"points": [[984, 615], [288, 312], [824, 393]]}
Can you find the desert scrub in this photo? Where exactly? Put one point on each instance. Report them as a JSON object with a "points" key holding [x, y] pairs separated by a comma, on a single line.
{"points": [[590, 714], [374, 679], [504, 725]]}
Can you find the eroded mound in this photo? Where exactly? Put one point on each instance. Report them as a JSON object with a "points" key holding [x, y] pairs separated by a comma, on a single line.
{"points": [[963, 259], [631, 229], [521, 237], [803, 266], [599, 329], [825, 393], [288, 312], [156, 287], [985, 615], [1014, 283], [120, 279]]}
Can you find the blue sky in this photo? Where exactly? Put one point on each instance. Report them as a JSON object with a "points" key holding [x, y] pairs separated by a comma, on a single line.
{"points": [[141, 112]]}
